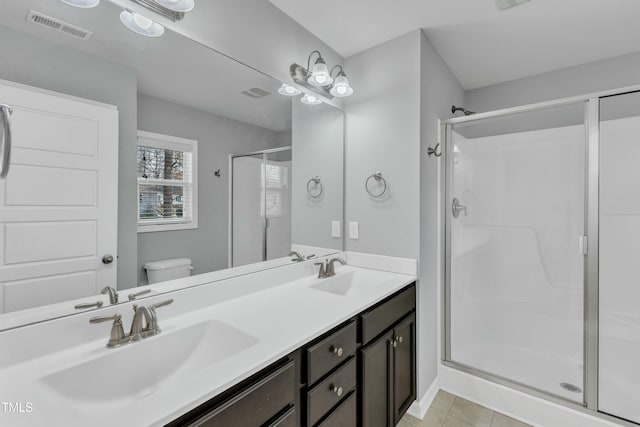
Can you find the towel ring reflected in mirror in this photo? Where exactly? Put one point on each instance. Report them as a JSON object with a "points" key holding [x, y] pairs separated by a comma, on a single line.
{"points": [[381, 181], [314, 183]]}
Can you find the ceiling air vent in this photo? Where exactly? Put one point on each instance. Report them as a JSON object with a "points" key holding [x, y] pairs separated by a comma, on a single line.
{"points": [[256, 92], [58, 25]]}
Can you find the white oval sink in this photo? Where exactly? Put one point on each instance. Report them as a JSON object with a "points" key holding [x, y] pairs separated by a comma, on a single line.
{"points": [[139, 369], [341, 284]]}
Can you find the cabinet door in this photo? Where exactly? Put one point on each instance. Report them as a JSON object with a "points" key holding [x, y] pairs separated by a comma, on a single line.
{"points": [[404, 366], [376, 387]]}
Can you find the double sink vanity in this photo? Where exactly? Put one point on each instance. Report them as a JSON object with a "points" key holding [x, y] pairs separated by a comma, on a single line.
{"points": [[281, 347]]}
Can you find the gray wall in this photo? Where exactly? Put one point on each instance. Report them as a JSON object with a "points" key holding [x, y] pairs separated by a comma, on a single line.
{"points": [[31, 61], [439, 89], [382, 132], [217, 137], [611, 73], [318, 150]]}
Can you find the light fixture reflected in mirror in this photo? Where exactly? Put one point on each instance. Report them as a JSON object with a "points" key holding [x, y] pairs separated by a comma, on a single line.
{"points": [[140, 24], [177, 5], [310, 99], [288, 90], [85, 4]]}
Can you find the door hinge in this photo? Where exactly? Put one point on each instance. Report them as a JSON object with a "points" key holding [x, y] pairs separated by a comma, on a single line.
{"points": [[585, 245]]}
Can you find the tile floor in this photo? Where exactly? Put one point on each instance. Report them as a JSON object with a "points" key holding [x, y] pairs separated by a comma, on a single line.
{"points": [[448, 410]]}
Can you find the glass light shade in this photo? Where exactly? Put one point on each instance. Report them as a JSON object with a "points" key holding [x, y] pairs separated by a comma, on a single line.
{"points": [[140, 24], [177, 5], [287, 90], [82, 3], [320, 76], [310, 99], [341, 87]]}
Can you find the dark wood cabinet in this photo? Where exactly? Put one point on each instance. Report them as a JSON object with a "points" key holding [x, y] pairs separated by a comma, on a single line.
{"points": [[361, 373], [387, 380]]}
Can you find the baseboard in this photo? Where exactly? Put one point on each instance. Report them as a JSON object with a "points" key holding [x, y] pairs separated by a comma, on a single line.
{"points": [[419, 408]]}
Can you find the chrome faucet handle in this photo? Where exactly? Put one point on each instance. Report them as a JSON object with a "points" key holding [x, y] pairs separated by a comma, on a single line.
{"points": [[311, 256], [117, 335], [161, 304], [154, 327], [135, 295], [113, 294], [322, 271]]}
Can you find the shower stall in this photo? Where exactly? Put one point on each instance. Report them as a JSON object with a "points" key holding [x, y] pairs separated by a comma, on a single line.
{"points": [[542, 250], [260, 206]]}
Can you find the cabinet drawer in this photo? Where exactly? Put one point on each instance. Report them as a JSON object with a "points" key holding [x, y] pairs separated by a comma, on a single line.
{"points": [[324, 396], [326, 355], [344, 415], [286, 420], [257, 404], [381, 318]]}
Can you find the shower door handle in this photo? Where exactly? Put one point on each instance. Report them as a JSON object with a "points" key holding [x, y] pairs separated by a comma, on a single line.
{"points": [[6, 139], [456, 208]]}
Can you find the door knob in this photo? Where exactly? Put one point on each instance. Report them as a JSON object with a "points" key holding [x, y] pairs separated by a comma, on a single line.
{"points": [[456, 208], [107, 259]]}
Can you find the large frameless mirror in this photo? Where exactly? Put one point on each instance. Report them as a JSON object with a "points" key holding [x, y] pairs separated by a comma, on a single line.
{"points": [[217, 173]]}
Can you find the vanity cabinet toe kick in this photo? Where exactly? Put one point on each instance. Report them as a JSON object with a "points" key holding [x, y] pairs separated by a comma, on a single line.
{"points": [[361, 373]]}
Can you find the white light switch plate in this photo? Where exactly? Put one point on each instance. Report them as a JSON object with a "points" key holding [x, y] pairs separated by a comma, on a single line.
{"points": [[353, 230], [335, 228]]}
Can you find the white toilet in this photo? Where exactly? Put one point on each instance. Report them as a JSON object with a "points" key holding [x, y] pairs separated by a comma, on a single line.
{"points": [[168, 269]]}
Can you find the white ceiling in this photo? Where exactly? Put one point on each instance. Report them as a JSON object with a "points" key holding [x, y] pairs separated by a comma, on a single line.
{"points": [[481, 45], [171, 67]]}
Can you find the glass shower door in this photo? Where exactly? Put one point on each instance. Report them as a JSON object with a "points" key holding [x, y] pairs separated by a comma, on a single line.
{"points": [[277, 185], [515, 261], [247, 210], [619, 312]]}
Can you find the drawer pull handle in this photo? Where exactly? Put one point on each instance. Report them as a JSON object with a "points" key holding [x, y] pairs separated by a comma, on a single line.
{"points": [[337, 351], [336, 390], [397, 341]]}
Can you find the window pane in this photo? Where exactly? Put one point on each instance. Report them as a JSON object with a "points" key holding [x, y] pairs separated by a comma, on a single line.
{"points": [[161, 202], [158, 163]]}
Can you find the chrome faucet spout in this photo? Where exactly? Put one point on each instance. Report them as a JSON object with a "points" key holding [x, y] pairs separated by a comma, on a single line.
{"points": [[139, 331], [331, 269], [297, 256]]}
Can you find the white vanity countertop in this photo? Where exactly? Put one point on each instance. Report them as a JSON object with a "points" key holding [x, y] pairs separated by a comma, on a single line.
{"points": [[276, 321]]}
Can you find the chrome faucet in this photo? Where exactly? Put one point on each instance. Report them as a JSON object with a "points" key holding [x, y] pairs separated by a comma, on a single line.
{"points": [[328, 269], [144, 324], [138, 331], [298, 256], [113, 294]]}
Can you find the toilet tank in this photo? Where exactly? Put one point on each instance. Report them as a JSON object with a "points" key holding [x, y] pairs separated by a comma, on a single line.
{"points": [[168, 269]]}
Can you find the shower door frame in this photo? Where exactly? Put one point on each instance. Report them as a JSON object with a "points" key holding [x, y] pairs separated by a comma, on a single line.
{"points": [[591, 258], [265, 223]]}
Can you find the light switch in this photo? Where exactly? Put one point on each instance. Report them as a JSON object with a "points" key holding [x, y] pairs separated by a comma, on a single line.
{"points": [[353, 230], [335, 228]]}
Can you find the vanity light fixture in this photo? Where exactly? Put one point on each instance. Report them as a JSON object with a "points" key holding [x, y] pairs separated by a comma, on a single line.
{"points": [[288, 90], [319, 79], [177, 5], [319, 75], [85, 4], [310, 99], [340, 87], [140, 24]]}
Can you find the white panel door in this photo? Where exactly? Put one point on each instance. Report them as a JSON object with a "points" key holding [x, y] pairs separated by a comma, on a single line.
{"points": [[58, 205]]}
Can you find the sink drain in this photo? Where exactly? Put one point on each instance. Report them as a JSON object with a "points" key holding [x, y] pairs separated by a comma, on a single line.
{"points": [[571, 387]]}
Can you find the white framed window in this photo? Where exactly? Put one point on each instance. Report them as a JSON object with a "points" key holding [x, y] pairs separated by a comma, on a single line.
{"points": [[167, 182]]}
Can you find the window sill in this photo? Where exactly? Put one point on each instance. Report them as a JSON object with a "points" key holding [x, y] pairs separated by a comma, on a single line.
{"points": [[154, 228]]}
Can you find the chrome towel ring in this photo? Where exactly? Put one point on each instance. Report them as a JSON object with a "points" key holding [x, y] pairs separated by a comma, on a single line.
{"points": [[316, 184], [380, 180]]}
